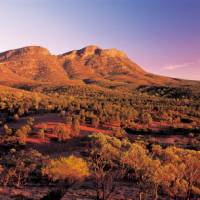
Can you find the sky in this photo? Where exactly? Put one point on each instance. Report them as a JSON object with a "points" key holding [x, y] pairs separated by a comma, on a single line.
{"points": [[162, 36]]}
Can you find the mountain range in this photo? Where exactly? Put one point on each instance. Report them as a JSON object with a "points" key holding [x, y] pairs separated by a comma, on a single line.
{"points": [[109, 68]]}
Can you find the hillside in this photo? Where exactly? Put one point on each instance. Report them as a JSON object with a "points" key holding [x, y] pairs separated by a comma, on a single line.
{"points": [[108, 68], [31, 65], [93, 64], [63, 117]]}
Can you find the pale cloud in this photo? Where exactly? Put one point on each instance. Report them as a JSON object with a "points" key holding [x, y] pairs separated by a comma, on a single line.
{"points": [[178, 66]]}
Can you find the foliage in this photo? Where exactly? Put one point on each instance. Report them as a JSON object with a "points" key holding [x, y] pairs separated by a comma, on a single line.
{"points": [[172, 170], [7, 131], [22, 133], [75, 126], [104, 161], [62, 132], [71, 169], [19, 166]]}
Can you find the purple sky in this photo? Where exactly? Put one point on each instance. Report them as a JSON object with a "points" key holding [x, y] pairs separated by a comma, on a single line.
{"points": [[163, 36]]}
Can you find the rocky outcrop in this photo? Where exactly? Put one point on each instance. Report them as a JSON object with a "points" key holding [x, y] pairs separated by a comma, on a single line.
{"points": [[105, 67]]}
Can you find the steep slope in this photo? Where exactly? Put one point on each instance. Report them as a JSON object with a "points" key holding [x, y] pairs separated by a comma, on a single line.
{"points": [[109, 68], [95, 61], [31, 64], [95, 64]]}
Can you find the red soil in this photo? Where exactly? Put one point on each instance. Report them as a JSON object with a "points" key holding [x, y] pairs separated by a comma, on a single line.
{"points": [[52, 119]]}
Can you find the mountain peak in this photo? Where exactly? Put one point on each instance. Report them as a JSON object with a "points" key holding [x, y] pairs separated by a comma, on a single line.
{"points": [[38, 49], [91, 47], [113, 53], [29, 50], [32, 50], [93, 63], [95, 50], [91, 50], [96, 62]]}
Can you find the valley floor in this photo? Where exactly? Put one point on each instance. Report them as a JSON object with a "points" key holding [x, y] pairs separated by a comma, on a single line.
{"points": [[51, 147]]}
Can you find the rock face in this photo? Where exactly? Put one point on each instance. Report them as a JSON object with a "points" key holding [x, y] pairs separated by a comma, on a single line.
{"points": [[32, 64], [94, 62], [36, 64], [26, 51]]}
